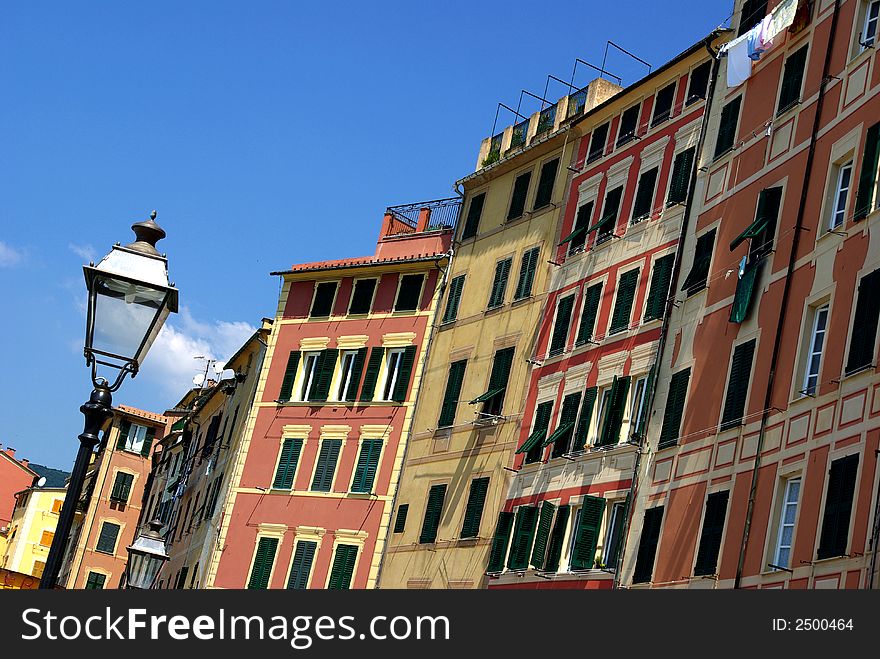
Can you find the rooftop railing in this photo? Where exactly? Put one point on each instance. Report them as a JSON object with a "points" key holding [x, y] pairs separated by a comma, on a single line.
{"points": [[436, 215]]}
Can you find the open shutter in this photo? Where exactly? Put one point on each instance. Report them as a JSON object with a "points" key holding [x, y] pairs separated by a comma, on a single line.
{"points": [[671, 428], [838, 507], [500, 541], [473, 513], [368, 389], [124, 428], [578, 235], [433, 512], [710, 537], [148, 441], [592, 296], [583, 553], [865, 321], [614, 416], [642, 205], [681, 177], [626, 293], [518, 199], [567, 419], [400, 520], [557, 538], [326, 368], [699, 272], [544, 192], [738, 385], [263, 561], [583, 425], [289, 376], [367, 464], [647, 550], [560, 328], [659, 292], [357, 369], [401, 386], [745, 292], [523, 536], [542, 537], [472, 223], [531, 447], [343, 567], [302, 564], [452, 393], [868, 174], [638, 432]]}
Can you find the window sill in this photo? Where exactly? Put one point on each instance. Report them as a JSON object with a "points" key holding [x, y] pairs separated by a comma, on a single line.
{"points": [[521, 301], [493, 310], [787, 112]]}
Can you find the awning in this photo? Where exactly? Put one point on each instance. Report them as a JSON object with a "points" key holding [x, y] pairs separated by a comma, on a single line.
{"points": [[602, 222], [745, 289], [532, 441], [179, 425], [574, 234], [751, 231], [559, 432], [486, 396]]}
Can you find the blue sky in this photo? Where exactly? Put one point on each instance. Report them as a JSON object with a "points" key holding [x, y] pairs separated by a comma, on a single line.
{"points": [[265, 134]]}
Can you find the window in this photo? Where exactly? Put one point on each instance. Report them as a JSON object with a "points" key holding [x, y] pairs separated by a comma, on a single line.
{"points": [[527, 268], [95, 581], [46, 538], [544, 192], [661, 277], [325, 469], [814, 350], [698, 84], [868, 174], [713, 530], [578, 236], [787, 517], [647, 550], [309, 377], [433, 511], [452, 393], [727, 127], [699, 273], [597, 143], [325, 295], [362, 297], [663, 104], [753, 12], [135, 438], [107, 538], [38, 569], [792, 79], [349, 374], [518, 199], [586, 534], [557, 538], [613, 406], [681, 177], [678, 386], [592, 297], [121, 487], [542, 536], [534, 444], [261, 570], [56, 505], [611, 546], [371, 376], [453, 299], [841, 194], [559, 338], [409, 293], [838, 507], [286, 469], [473, 512], [493, 398], [626, 293], [607, 223], [628, 122], [868, 35], [499, 283], [398, 368], [523, 537], [475, 211], [582, 430], [637, 408], [367, 465], [644, 200], [561, 437], [301, 567], [604, 406], [400, 520], [738, 385], [864, 327]]}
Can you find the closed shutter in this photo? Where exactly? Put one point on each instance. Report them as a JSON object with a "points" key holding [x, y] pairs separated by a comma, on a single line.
{"points": [[583, 553], [868, 174], [124, 429], [738, 385], [433, 512], [864, 329], [527, 269], [289, 376], [326, 367], [681, 177], [557, 538], [368, 389], [713, 529], [343, 567], [499, 283], [404, 373], [838, 507], [544, 192], [592, 297], [792, 78], [500, 541], [362, 297], [647, 550], [453, 391], [542, 536], [583, 425], [614, 416], [659, 291], [699, 273], [472, 223], [663, 104], [367, 464], [453, 299], [301, 567], [597, 143], [290, 452], [357, 368], [107, 538], [326, 467], [671, 427], [518, 199], [473, 513], [400, 520], [626, 293], [559, 338], [148, 441], [644, 200], [523, 536], [501, 369], [745, 292], [121, 487], [727, 127]]}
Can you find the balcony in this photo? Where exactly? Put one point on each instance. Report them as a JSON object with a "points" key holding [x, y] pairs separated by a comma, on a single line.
{"points": [[425, 217]]}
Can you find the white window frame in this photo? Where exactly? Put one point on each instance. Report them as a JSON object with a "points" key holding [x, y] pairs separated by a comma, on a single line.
{"points": [[572, 533], [837, 213], [816, 333], [134, 440], [786, 503], [308, 376], [345, 374], [600, 409], [637, 401], [864, 44], [616, 511], [393, 360]]}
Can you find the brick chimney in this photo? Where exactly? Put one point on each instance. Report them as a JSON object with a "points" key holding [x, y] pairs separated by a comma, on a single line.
{"points": [[10, 451], [25, 462], [424, 219]]}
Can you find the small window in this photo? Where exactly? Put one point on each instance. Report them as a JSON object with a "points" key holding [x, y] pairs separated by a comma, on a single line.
{"points": [[753, 12], [642, 206], [699, 83], [325, 468], [841, 194], [527, 268], [393, 361], [663, 104], [727, 127], [785, 523], [453, 299], [121, 487], [46, 538], [559, 338], [367, 466], [647, 550], [343, 567], [738, 385], [814, 350], [475, 211], [611, 547], [578, 236], [95, 581], [362, 296], [347, 376], [301, 566], [699, 273], [107, 538], [868, 35], [864, 327], [792, 79], [56, 505], [518, 199], [637, 407], [135, 439], [674, 410], [400, 520], [409, 293], [597, 143], [261, 569], [499, 283], [310, 375], [284, 472], [837, 519], [623, 304], [608, 222], [325, 294], [433, 513], [602, 410], [544, 192], [628, 123]]}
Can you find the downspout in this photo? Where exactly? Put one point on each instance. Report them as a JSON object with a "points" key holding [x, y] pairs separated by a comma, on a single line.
{"points": [[667, 312], [786, 291]]}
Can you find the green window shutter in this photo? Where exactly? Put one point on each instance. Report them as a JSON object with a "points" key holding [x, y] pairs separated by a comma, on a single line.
{"points": [[453, 391], [401, 386], [544, 193], [597, 143], [583, 425], [727, 127], [578, 236], [303, 556], [453, 299], [343, 567], [535, 441], [864, 329], [95, 581], [672, 415], [325, 368], [614, 416], [868, 174], [542, 536], [738, 385], [357, 368], [500, 541], [433, 512], [559, 338], [527, 269], [523, 536], [592, 297], [608, 221], [367, 464], [626, 293], [289, 376], [681, 177], [290, 452], [326, 467], [699, 273], [368, 389], [659, 292], [565, 430], [518, 198], [473, 513], [792, 78], [263, 561], [643, 203], [638, 432], [400, 520], [838, 507], [583, 553], [148, 441], [107, 538], [557, 538], [710, 537], [499, 283], [472, 223], [501, 369], [121, 487], [763, 228], [124, 428], [647, 550], [745, 289]]}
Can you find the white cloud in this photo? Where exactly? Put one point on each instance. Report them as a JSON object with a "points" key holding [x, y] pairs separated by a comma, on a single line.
{"points": [[9, 257], [85, 252]]}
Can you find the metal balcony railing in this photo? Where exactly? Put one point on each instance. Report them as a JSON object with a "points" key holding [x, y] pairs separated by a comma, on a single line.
{"points": [[442, 214]]}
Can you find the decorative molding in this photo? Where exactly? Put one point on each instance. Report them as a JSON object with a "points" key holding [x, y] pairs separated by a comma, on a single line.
{"points": [[398, 339], [352, 342], [314, 343], [335, 432]]}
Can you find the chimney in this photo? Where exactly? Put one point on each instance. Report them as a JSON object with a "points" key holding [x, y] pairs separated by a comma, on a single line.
{"points": [[424, 219], [25, 462], [10, 451]]}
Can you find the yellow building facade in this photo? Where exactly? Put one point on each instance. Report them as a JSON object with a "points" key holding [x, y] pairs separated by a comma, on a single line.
{"points": [[32, 529]]}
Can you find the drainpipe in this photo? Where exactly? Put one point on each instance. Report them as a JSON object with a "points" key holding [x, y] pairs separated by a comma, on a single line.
{"points": [[786, 291], [664, 328]]}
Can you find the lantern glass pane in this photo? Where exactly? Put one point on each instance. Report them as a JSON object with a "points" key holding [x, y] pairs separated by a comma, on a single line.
{"points": [[124, 314]]}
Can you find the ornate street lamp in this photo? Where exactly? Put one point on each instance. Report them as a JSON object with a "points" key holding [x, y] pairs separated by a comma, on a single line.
{"points": [[129, 300], [146, 556]]}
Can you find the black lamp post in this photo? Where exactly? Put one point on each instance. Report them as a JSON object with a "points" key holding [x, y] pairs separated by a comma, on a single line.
{"points": [[129, 300], [146, 556]]}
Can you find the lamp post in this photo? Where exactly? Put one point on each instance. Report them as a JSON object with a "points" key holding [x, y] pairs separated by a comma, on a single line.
{"points": [[129, 300], [146, 556]]}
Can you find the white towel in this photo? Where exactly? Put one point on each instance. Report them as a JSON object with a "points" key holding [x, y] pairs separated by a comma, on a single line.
{"points": [[739, 65]]}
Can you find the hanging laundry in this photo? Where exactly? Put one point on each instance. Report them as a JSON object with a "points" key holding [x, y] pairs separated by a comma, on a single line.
{"points": [[781, 18], [739, 66], [801, 17], [758, 42]]}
